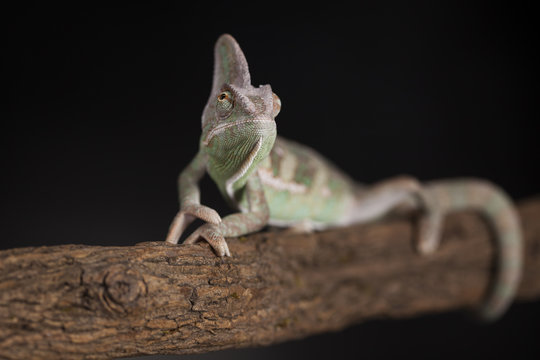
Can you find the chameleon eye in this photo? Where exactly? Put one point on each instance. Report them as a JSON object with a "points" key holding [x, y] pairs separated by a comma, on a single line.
{"points": [[225, 104], [276, 106], [224, 96]]}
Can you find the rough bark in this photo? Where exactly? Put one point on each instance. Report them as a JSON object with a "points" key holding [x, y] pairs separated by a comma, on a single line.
{"points": [[77, 301]]}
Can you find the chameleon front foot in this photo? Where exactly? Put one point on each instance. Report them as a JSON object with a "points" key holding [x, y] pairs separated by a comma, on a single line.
{"points": [[186, 215], [212, 234]]}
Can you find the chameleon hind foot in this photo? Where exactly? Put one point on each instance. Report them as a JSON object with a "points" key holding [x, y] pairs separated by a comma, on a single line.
{"points": [[429, 233], [429, 225], [403, 192]]}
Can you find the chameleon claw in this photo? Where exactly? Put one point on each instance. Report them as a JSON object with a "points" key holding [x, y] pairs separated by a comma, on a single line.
{"points": [[212, 235], [180, 222]]}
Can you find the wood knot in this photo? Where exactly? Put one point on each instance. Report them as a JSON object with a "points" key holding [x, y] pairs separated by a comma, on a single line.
{"points": [[122, 288]]}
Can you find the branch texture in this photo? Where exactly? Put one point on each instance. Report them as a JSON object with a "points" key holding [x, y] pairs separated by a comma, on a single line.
{"points": [[92, 302]]}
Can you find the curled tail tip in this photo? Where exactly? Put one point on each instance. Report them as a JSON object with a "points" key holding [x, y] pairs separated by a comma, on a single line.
{"points": [[488, 314], [499, 211], [498, 301]]}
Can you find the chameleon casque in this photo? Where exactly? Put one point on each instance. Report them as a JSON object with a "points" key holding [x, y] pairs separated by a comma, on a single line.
{"points": [[274, 181]]}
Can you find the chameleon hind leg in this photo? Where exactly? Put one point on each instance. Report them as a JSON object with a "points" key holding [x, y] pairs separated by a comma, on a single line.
{"points": [[404, 191]]}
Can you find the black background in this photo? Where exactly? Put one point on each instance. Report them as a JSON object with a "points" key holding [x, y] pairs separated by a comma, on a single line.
{"points": [[103, 110]]}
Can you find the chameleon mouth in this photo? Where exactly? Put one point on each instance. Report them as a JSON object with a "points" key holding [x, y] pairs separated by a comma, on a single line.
{"points": [[222, 127]]}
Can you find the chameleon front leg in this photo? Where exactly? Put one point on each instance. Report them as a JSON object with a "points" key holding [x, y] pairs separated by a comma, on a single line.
{"points": [[255, 217], [190, 207], [389, 194]]}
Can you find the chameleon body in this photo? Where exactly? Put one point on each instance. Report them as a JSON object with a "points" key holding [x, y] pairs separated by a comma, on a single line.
{"points": [[271, 180]]}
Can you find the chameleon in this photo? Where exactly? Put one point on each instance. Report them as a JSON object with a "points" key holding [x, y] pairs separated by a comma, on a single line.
{"points": [[270, 180]]}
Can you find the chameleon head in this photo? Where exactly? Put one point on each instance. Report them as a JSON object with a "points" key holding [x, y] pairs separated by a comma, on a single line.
{"points": [[238, 126]]}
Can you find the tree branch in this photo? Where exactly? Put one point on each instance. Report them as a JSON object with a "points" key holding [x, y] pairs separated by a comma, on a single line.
{"points": [[92, 302]]}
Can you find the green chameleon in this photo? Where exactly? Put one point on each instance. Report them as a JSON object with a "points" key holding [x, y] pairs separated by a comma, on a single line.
{"points": [[275, 181]]}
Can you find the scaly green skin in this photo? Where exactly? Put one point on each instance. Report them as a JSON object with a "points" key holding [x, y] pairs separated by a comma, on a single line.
{"points": [[275, 181]]}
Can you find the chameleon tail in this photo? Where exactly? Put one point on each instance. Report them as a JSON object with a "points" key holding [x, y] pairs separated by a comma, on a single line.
{"points": [[501, 215]]}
